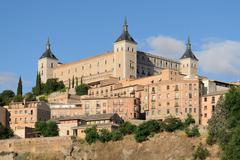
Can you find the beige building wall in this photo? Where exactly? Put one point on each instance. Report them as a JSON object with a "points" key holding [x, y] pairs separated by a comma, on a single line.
{"points": [[125, 54], [150, 64], [3, 116], [27, 114], [209, 103], [89, 70], [65, 110], [172, 98], [46, 67], [65, 127], [189, 67], [126, 107]]}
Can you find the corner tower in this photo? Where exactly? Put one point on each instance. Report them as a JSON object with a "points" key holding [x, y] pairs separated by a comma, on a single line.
{"points": [[46, 63], [125, 55], [189, 62]]}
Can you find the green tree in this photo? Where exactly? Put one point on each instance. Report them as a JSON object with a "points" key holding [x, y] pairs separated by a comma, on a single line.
{"points": [[18, 98], [116, 135], [146, 129], [104, 135], [52, 85], [47, 129], [73, 82], [171, 124], [5, 132], [30, 96], [91, 135], [188, 121], [192, 132], [76, 81], [127, 128], [224, 126], [217, 125], [6, 97], [82, 89], [37, 90], [19, 88], [69, 83], [200, 153], [232, 150]]}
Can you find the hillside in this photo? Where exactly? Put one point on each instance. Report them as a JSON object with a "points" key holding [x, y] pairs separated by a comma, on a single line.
{"points": [[163, 146]]}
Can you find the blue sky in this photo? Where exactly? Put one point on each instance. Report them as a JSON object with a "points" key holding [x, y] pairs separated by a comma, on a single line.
{"points": [[78, 29]]}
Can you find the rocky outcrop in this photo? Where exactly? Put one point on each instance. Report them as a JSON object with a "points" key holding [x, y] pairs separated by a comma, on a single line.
{"points": [[163, 146]]}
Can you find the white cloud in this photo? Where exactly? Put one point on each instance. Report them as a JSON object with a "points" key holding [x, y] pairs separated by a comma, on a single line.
{"points": [[9, 80], [215, 56], [220, 57], [166, 46]]}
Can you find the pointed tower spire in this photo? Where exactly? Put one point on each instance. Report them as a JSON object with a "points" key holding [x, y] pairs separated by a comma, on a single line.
{"points": [[188, 53], [189, 43], [48, 53], [125, 35], [125, 25], [48, 45]]}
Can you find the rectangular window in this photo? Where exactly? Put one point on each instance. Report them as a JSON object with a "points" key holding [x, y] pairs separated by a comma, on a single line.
{"points": [[205, 115], [168, 111], [213, 108], [205, 99], [205, 107], [213, 99]]}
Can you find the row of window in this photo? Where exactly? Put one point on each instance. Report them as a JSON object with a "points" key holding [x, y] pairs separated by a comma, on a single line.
{"points": [[158, 62], [129, 49], [23, 112], [206, 99], [168, 111]]}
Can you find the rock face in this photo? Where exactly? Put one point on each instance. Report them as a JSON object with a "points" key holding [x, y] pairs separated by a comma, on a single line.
{"points": [[163, 146]]}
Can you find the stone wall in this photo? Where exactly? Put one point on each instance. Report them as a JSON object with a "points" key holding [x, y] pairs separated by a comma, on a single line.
{"points": [[37, 145]]}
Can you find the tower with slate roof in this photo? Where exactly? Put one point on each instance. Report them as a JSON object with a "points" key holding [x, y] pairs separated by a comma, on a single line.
{"points": [[46, 63], [189, 62], [125, 55]]}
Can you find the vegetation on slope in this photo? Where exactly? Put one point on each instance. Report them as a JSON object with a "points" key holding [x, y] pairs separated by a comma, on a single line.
{"points": [[224, 126], [143, 131]]}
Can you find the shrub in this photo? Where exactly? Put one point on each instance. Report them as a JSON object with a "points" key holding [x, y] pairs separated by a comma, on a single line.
{"points": [[6, 97], [116, 135], [5, 132], [104, 135], [82, 89], [30, 97], [52, 85], [18, 98], [127, 128], [193, 132], [43, 98], [91, 135], [188, 121], [211, 139], [171, 124], [200, 153], [47, 129], [231, 150], [146, 129]]}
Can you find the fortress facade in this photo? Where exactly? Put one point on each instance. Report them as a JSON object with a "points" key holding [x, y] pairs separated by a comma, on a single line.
{"points": [[124, 62]]}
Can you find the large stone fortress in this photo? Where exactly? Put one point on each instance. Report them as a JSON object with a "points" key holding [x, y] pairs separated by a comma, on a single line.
{"points": [[124, 62], [134, 84]]}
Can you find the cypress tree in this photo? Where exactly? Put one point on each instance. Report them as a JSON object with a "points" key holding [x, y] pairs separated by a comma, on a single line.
{"points": [[38, 88], [76, 81], [19, 88], [73, 82], [69, 83]]}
